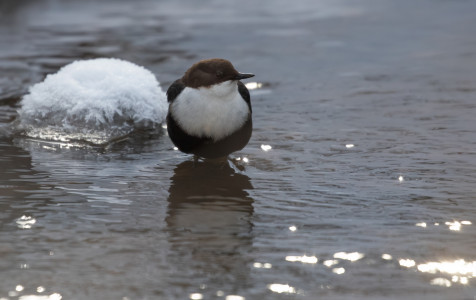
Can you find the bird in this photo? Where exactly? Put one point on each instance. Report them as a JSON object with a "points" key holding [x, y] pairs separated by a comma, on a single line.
{"points": [[210, 113]]}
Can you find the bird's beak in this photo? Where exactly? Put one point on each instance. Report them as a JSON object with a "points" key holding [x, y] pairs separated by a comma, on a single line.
{"points": [[241, 76]]}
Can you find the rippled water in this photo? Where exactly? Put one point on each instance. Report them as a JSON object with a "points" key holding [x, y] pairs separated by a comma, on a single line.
{"points": [[358, 182]]}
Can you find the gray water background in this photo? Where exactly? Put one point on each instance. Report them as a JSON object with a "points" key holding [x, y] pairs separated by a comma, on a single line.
{"points": [[137, 220]]}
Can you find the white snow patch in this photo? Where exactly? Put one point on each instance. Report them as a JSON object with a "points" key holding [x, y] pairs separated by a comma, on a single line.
{"points": [[94, 100]]}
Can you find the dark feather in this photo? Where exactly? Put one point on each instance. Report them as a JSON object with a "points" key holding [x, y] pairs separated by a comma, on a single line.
{"points": [[184, 141], [244, 93], [174, 90]]}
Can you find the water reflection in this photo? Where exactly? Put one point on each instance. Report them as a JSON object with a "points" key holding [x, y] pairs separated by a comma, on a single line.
{"points": [[253, 85], [407, 262], [452, 225], [338, 271], [196, 296], [25, 222], [460, 270], [266, 147], [54, 296], [459, 267], [330, 262], [304, 259], [281, 288], [441, 282], [259, 265], [352, 256], [234, 297], [456, 226], [21, 292], [210, 228]]}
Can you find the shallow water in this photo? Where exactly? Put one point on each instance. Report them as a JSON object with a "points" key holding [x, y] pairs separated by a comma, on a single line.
{"points": [[367, 191]]}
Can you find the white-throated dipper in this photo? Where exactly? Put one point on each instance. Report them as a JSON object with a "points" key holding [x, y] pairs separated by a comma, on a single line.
{"points": [[210, 110]]}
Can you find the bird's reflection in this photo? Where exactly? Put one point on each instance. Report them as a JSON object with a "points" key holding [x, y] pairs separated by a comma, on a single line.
{"points": [[209, 223]]}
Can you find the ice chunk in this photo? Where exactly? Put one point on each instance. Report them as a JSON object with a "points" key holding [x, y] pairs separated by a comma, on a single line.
{"points": [[87, 99]]}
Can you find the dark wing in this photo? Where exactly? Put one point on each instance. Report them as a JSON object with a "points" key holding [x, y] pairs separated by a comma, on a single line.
{"points": [[184, 141], [244, 93], [174, 90]]}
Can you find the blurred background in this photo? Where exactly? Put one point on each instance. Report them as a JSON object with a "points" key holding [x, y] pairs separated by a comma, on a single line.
{"points": [[358, 182]]}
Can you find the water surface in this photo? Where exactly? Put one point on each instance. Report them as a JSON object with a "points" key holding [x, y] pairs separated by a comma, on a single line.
{"points": [[366, 190]]}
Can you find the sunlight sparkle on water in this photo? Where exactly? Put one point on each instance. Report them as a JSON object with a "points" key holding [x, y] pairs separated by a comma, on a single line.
{"points": [[234, 297], [386, 256], [25, 222], [266, 147], [338, 271], [400, 178], [196, 296], [349, 146], [441, 282], [259, 265], [49, 148], [304, 259], [406, 262], [281, 288], [292, 228], [54, 296], [352, 256], [244, 159], [456, 225], [461, 270], [330, 262], [457, 267], [253, 85], [422, 224]]}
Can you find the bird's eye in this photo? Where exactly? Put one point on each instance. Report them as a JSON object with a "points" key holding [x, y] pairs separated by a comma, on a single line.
{"points": [[219, 74]]}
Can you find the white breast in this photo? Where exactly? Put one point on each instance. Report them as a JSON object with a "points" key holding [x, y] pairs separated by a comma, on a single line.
{"points": [[214, 112]]}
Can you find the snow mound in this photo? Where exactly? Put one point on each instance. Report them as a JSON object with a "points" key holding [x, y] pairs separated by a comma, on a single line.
{"points": [[95, 100]]}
